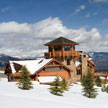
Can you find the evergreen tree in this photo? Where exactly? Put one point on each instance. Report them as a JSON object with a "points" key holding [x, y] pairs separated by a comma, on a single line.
{"points": [[25, 80], [106, 89], [98, 82], [83, 80], [88, 85], [64, 84], [56, 87], [103, 89]]}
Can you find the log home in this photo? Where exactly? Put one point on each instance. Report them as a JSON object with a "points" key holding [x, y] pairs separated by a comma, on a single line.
{"points": [[64, 51], [61, 59], [37, 68]]}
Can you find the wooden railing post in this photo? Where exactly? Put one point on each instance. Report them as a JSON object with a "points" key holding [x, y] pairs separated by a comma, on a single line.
{"points": [[53, 52]]}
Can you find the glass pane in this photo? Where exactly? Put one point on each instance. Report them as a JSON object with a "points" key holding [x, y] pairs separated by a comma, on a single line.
{"points": [[78, 72], [67, 48], [50, 49], [57, 48], [68, 61]]}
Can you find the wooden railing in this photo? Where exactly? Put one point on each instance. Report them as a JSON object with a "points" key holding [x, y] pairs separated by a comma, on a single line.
{"points": [[62, 54], [103, 74]]}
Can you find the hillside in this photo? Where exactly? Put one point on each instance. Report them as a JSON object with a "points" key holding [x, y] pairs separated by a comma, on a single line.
{"points": [[40, 97], [100, 59], [4, 58]]}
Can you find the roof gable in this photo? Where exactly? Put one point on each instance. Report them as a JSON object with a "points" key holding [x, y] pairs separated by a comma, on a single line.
{"points": [[61, 40], [35, 66], [31, 65], [49, 64]]}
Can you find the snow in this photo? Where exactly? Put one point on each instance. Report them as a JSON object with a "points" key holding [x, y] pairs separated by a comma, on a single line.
{"points": [[1, 71], [77, 63], [103, 78], [90, 58], [40, 97], [47, 79], [31, 65]]}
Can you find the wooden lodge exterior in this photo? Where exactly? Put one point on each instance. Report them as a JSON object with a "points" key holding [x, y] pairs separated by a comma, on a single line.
{"points": [[61, 48], [64, 51], [63, 60], [50, 68]]}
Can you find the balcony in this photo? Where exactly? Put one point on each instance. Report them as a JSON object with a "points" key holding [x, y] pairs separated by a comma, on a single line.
{"points": [[62, 54]]}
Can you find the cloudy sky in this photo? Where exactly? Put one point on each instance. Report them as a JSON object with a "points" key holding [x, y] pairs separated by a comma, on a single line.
{"points": [[25, 25]]}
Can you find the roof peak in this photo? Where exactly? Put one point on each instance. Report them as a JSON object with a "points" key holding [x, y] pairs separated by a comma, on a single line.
{"points": [[61, 40]]}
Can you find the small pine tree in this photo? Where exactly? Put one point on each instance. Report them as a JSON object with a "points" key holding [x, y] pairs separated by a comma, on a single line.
{"points": [[88, 85], [56, 87], [83, 80], [25, 80], [106, 89], [64, 84], [103, 89], [104, 81], [98, 82]]}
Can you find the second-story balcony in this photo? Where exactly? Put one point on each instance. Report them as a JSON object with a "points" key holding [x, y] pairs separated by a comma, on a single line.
{"points": [[62, 54]]}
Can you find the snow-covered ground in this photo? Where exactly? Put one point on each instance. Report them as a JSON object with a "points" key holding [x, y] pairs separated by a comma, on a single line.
{"points": [[40, 97], [103, 78], [1, 71]]}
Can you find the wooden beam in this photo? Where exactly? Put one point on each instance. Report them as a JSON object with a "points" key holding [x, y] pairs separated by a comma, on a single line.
{"points": [[52, 65]]}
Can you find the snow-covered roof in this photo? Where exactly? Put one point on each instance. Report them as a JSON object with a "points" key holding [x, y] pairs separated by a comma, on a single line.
{"points": [[90, 58], [77, 63], [31, 65]]}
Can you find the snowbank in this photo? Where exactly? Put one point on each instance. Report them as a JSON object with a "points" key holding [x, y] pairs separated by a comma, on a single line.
{"points": [[103, 78], [40, 97], [47, 79], [1, 71]]}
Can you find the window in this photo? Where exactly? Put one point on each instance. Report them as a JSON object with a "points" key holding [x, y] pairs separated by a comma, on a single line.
{"points": [[68, 61], [50, 49], [67, 48], [57, 48], [78, 72]]}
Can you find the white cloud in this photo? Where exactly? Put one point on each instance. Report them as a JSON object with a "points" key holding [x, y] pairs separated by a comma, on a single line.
{"points": [[105, 21], [28, 39], [14, 28], [4, 9], [98, 1], [82, 7], [94, 14], [87, 15]]}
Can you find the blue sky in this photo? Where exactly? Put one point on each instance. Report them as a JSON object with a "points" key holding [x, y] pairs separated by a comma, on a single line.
{"points": [[39, 21], [94, 13]]}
